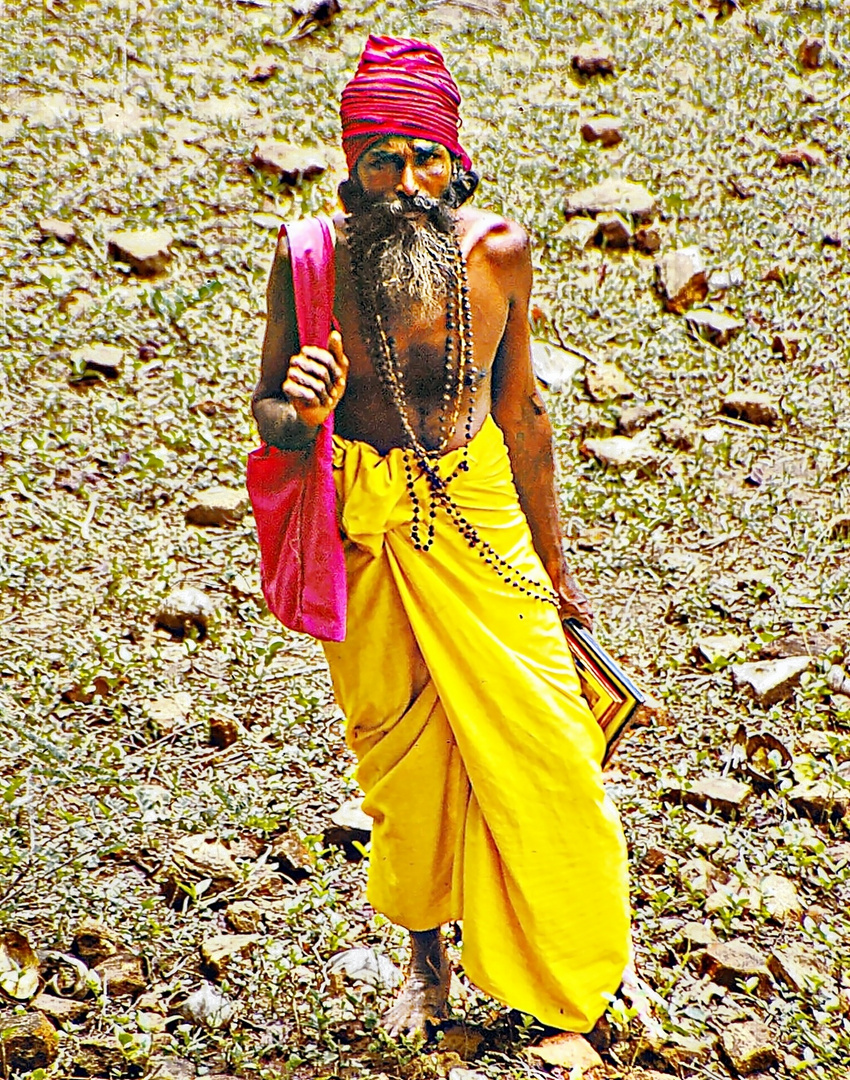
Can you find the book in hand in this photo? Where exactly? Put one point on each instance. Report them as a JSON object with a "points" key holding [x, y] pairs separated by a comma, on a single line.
{"points": [[612, 696]]}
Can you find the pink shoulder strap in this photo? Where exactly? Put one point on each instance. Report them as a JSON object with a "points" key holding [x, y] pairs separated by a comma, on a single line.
{"points": [[311, 249]]}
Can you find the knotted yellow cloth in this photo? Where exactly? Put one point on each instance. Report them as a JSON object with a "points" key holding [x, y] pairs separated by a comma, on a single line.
{"points": [[477, 754]]}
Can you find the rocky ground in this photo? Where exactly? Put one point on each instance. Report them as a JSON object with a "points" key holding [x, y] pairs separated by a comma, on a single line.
{"points": [[180, 893]]}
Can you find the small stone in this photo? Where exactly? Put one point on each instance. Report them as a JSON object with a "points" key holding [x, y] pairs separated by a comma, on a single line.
{"points": [[682, 278], [631, 421], [219, 952], [613, 230], [748, 1046], [753, 407], [786, 345], [465, 1074], [820, 800], [572, 1052], [706, 837], [837, 680], [224, 731], [60, 1010], [99, 1058], [733, 963], [580, 231], [28, 1041], [701, 875], [291, 163], [554, 367], [648, 238], [593, 58], [697, 935], [618, 452], [798, 968], [653, 712], [802, 155], [366, 966], [814, 643], [147, 251], [838, 527], [243, 917], [97, 359], [839, 854], [60, 230], [714, 326], [195, 858], [122, 975], [292, 856], [780, 273], [172, 1068], [263, 69], [723, 280], [779, 897], [168, 711], [679, 434], [349, 825], [218, 506], [613, 196], [186, 607], [93, 942], [719, 793], [809, 53], [770, 681], [603, 129], [605, 381], [208, 1007], [461, 1040], [714, 647]]}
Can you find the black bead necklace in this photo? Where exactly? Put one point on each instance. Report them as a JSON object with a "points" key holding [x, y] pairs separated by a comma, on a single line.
{"points": [[459, 375]]}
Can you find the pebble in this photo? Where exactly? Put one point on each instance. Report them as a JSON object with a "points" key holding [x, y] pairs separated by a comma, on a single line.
{"points": [[809, 52], [679, 434], [802, 155], [613, 196], [554, 367], [593, 58], [820, 800], [748, 1046], [243, 917], [122, 975], [613, 230], [732, 963], [720, 793], [631, 421], [755, 408], [29, 1041], [147, 251], [682, 278], [797, 968], [60, 230], [60, 1009], [366, 966], [605, 381], [779, 898], [218, 506], [786, 345], [185, 607], [619, 452], [97, 359], [648, 238], [770, 681], [604, 129], [291, 163], [208, 1007], [715, 326], [219, 952]]}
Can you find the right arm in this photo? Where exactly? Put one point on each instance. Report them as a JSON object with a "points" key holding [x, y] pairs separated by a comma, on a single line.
{"points": [[298, 388]]}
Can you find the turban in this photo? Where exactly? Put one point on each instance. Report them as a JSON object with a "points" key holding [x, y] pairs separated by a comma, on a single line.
{"points": [[401, 87]]}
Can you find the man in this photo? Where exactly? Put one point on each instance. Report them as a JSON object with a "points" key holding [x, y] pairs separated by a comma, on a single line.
{"points": [[478, 757]]}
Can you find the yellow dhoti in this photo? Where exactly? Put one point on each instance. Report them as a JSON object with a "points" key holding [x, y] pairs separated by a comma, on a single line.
{"points": [[478, 756]]}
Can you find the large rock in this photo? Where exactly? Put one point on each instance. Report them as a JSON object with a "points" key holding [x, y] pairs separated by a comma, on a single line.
{"points": [[291, 163], [554, 367], [613, 196], [94, 942], [603, 129], [218, 506], [751, 406], [60, 1010], [194, 858], [770, 681], [243, 917], [28, 1041], [748, 1047], [779, 898], [568, 1050], [619, 452], [715, 326], [147, 251], [366, 966], [734, 963], [682, 278], [122, 975], [97, 359]]}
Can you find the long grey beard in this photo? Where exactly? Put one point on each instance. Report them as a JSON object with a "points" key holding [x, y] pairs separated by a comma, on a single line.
{"points": [[412, 268]]}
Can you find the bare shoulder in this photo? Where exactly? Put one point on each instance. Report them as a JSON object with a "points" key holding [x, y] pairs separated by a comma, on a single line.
{"points": [[501, 241]]}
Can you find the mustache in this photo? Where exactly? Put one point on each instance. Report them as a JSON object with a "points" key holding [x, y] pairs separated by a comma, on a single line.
{"points": [[389, 214]]}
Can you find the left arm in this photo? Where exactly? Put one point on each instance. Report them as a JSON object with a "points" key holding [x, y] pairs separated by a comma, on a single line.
{"points": [[519, 411]]}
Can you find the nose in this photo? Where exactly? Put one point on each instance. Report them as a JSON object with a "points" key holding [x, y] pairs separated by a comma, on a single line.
{"points": [[407, 184]]}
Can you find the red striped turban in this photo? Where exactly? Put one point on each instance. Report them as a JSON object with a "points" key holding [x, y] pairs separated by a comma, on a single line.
{"points": [[401, 87]]}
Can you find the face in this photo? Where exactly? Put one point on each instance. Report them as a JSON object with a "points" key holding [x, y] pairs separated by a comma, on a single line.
{"points": [[398, 165]]}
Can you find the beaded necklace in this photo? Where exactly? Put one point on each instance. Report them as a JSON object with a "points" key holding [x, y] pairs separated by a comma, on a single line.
{"points": [[459, 375]]}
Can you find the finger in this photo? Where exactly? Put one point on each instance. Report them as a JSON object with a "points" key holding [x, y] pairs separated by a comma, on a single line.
{"points": [[335, 347], [328, 373], [311, 382], [300, 394]]}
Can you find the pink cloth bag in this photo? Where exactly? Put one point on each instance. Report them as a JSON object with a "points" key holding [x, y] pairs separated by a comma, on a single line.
{"points": [[302, 564]]}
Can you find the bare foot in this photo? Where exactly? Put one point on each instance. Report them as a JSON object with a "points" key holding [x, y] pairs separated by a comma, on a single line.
{"points": [[422, 999]]}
